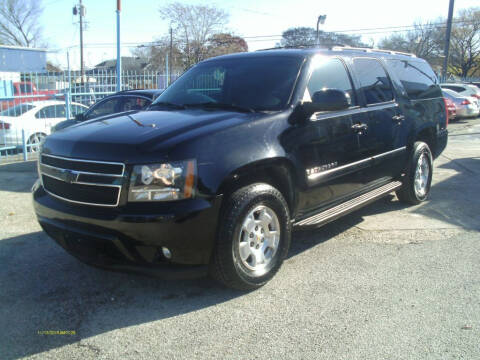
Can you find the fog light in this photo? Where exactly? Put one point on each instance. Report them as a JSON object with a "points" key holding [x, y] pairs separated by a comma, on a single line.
{"points": [[166, 252]]}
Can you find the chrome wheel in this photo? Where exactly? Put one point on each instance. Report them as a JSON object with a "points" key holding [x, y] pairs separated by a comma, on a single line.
{"points": [[422, 173], [35, 141], [259, 238]]}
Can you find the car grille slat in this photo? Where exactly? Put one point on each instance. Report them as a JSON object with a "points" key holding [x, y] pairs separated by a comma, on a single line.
{"points": [[82, 181], [97, 167]]}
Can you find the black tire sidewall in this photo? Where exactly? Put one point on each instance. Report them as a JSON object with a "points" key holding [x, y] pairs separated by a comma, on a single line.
{"points": [[226, 266]]}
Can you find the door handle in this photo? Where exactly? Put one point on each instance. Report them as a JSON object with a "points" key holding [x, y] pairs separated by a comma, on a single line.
{"points": [[398, 118], [359, 128]]}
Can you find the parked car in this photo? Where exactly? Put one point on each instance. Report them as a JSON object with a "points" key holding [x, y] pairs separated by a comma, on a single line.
{"points": [[467, 106], [463, 89], [452, 109], [128, 100], [237, 151], [35, 118], [476, 83], [26, 91]]}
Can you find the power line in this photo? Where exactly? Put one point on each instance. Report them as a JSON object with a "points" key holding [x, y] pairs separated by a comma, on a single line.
{"points": [[264, 38]]}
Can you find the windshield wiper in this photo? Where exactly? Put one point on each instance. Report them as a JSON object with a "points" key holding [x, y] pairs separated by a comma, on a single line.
{"points": [[224, 106], [166, 104]]}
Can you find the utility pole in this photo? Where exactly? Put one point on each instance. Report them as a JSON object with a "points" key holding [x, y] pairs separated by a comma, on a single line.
{"points": [[80, 10], [447, 39], [119, 55], [321, 20], [171, 56]]}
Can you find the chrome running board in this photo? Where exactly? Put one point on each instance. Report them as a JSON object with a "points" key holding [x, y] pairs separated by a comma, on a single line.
{"points": [[349, 206]]}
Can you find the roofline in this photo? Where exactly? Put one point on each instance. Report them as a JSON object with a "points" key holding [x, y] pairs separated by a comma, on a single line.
{"points": [[391, 52], [22, 48]]}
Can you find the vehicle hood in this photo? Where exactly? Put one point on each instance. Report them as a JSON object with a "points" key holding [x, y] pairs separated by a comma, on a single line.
{"points": [[128, 136]]}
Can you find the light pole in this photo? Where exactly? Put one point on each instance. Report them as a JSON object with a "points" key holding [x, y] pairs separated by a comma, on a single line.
{"points": [[321, 20], [447, 39], [119, 55]]}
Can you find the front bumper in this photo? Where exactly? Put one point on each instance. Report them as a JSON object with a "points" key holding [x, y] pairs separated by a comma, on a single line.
{"points": [[131, 238]]}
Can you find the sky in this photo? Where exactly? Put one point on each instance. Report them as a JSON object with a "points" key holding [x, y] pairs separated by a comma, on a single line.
{"points": [[252, 19]]}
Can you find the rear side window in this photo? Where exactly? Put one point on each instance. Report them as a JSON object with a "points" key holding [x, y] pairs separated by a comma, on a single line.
{"points": [[418, 78], [330, 74], [374, 82]]}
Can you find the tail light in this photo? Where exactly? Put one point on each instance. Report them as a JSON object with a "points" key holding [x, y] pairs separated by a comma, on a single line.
{"points": [[446, 111], [476, 96], [465, 102], [4, 126]]}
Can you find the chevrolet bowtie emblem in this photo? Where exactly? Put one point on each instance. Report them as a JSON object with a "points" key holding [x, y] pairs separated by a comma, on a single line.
{"points": [[69, 176]]}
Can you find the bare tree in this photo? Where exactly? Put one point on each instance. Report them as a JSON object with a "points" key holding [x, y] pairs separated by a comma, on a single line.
{"points": [[425, 41], [19, 22], [192, 26], [465, 43]]}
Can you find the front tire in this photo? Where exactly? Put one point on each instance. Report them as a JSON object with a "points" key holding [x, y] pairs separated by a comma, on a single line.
{"points": [[418, 178], [253, 237]]}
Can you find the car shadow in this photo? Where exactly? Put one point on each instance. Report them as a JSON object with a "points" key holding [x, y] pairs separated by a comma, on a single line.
{"points": [[44, 289]]}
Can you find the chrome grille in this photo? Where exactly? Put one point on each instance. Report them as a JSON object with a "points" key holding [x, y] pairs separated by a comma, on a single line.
{"points": [[86, 182]]}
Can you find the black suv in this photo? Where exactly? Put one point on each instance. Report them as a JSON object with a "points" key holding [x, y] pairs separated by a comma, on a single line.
{"points": [[240, 149]]}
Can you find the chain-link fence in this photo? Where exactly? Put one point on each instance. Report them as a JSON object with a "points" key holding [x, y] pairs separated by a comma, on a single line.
{"points": [[31, 104]]}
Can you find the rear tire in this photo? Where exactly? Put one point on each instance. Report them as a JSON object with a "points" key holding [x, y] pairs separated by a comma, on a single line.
{"points": [[253, 237], [418, 177]]}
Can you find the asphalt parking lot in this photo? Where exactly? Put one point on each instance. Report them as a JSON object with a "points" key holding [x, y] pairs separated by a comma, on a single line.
{"points": [[386, 282]]}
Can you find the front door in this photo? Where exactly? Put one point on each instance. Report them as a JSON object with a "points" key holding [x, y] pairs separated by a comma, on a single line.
{"points": [[327, 144]]}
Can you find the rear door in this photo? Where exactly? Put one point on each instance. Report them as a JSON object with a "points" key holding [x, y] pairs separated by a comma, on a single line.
{"points": [[385, 137]]}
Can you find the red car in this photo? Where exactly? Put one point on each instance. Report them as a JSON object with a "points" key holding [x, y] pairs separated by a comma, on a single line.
{"points": [[452, 110]]}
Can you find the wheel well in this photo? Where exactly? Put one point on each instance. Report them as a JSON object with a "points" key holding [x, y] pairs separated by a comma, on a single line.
{"points": [[428, 136], [278, 174]]}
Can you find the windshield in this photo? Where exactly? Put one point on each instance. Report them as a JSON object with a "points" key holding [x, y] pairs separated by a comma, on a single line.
{"points": [[257, 83], [17, 110]]}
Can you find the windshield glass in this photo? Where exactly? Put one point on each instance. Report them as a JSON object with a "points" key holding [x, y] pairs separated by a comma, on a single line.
{"points": [[17, 110], [258, 83]]}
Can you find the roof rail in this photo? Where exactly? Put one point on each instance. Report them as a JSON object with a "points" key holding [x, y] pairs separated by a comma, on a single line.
{"points": [[342, 48]]}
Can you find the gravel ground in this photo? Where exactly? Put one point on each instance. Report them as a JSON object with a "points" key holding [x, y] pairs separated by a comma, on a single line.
{"points": [[387, 281]]}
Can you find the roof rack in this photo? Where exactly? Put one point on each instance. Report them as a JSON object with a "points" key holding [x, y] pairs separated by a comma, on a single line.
{"points": [[342, 48]]}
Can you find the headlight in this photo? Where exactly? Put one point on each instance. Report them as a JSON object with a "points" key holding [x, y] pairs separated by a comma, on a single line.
{"points": [[163, 182]]}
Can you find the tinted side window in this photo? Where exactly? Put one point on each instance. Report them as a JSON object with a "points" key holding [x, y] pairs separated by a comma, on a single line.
{"points": [[374, 81], [134, 103], [417, 78], [107, 107], [75, 109], [330, 74], [47, 112]]}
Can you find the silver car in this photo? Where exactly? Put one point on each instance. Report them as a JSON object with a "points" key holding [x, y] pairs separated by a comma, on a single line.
{"points": [[463, 89], [467, 106]]}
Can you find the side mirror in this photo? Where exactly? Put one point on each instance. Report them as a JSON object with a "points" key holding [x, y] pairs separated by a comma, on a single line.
{"points": [[331, 99], [323, 100], [80, 117]]}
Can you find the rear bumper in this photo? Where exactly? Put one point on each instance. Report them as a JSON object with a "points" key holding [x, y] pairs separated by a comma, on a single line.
{"points": [[132, 239]]}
